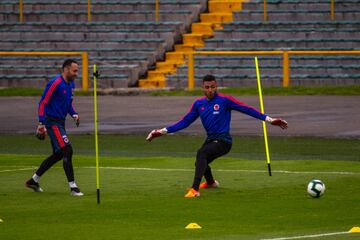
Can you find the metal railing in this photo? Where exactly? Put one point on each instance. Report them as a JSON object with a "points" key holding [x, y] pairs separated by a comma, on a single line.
{"points": [[89, 16], [285, 57], [84, 59]]}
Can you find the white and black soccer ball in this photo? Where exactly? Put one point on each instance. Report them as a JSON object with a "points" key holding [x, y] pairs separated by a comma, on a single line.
{"points": [[316, 188]]}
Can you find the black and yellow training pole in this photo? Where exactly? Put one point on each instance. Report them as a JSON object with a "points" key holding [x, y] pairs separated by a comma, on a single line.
{"points": [[262, 111], [96, 75]]}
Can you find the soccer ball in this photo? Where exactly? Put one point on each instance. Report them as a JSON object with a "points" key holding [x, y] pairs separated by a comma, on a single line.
{"points": [[316, 188]]}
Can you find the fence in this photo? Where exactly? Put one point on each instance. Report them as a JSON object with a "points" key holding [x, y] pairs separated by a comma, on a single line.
{"points": [[285, 53], [84, 59]]}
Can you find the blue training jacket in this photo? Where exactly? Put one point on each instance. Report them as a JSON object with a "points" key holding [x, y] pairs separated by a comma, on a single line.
{"points": [[215, 115], [56, 101]]}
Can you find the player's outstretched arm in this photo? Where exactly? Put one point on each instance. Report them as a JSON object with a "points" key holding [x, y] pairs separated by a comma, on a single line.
{"points": [[277, 122], [156, 133]]}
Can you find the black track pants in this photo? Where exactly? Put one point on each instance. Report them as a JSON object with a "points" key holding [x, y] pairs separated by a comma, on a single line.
{"points": [[209, 151], [65, 154]]}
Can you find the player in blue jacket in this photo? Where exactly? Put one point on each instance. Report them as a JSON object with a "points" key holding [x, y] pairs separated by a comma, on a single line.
{"points": [[56, 102], [214, 110]]}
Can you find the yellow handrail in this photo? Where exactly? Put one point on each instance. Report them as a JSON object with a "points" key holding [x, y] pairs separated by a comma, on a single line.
{"points": [[285, 54], [84, 59]]}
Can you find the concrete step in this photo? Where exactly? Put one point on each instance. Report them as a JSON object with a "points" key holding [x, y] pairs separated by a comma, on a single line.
{"points": [[276, 25], [276, 60], [185, 16], [300, 5], [167, 35], [289, 33], [277, 43], [93, 44], [244, 80], [40, 80], [296, 15], [270, 69], [226, 7], [106, 5], [177, 26]]}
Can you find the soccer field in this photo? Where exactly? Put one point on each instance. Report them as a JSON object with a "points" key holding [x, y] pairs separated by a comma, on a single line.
{"points": [[142, 188]]}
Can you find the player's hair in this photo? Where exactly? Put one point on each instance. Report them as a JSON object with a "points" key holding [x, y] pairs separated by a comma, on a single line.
{"points": [[209, 78], [68, 62]]}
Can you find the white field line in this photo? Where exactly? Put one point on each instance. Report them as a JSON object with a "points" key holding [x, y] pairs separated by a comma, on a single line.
{"points": [[186, 170], [16, 170], [224, 170], [307, 236]]}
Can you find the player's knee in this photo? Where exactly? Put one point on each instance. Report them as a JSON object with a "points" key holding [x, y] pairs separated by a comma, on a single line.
{"points": [[201, 154], [67, 151]]}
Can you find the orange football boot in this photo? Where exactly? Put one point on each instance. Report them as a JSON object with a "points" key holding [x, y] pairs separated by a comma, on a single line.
{"points": [[206, 185], [192, 193]]}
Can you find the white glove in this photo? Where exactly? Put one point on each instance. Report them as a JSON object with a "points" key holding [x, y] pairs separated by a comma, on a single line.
{"points": [[76, 119], [156, 133]]}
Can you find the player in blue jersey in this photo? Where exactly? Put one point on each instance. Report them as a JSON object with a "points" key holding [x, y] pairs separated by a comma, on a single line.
{"points": [[214, 110], [55, 104]]}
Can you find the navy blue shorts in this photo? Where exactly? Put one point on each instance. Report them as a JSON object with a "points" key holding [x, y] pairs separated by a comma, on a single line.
{"points": [[57, 133]]}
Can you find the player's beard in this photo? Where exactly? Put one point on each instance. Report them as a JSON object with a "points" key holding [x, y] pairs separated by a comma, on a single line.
{"points": [[210, 95], [70, 77]]}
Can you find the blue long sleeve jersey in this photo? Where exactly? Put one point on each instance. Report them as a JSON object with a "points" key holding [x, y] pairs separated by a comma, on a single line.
{"points": [[215, 115], [57, 99]]}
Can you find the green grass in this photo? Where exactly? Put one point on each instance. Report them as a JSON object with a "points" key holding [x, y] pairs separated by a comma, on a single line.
{"points": [[149, 204], [268, 91], [17, 91]]}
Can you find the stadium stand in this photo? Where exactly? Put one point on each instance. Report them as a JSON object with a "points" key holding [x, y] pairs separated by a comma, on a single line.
{"points": [[131, 48], [291, 25], [123, 38]]}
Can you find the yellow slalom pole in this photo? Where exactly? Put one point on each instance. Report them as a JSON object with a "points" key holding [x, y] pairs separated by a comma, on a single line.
{"points": [[262, 111], [96, 74]]}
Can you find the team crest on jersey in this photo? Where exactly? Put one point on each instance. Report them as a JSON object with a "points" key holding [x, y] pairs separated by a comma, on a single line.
{"points": [[65, 138], [202, 108], [216, 107]]}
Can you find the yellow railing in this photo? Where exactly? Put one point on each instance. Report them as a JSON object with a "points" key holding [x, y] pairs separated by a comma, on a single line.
{"points": [[285, 55], [332, 10], [89, 18], [84, 59]]}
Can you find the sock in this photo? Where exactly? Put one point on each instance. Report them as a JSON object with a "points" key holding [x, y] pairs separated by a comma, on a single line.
{"points": [[36, 178], [72, 184]]}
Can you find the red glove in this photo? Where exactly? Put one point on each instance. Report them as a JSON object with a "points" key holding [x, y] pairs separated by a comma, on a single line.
{"points": [[156, 133], [279, 122], [41, 132]]}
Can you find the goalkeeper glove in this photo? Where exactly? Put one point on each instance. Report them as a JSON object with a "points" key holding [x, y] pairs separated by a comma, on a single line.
{"points": [[277, 122], [156, 133], [76, 119], [41, 132]]}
